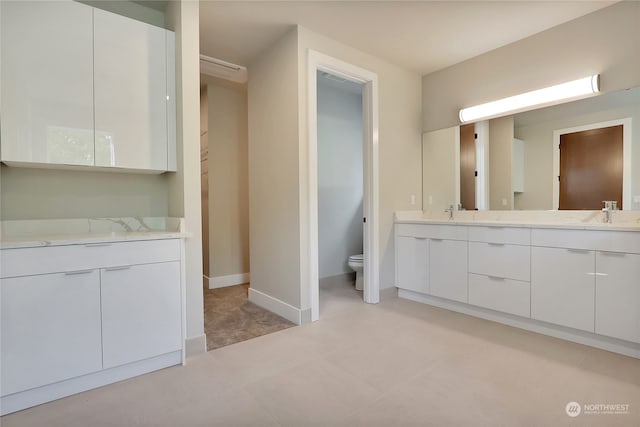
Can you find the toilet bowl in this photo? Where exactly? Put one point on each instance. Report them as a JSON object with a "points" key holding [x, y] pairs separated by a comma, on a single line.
{"points": [[356, 263]]}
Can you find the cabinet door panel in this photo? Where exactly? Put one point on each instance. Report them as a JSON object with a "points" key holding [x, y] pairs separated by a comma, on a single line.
{"points": [[130, 93], [50, 329], [412, 256], [47, 82], [618, 295], [448, 269], [141, 312], [563, 287]]}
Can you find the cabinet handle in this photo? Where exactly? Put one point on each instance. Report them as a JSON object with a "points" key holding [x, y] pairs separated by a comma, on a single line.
{"points": [[437, 240], [598, 274], [495, 244], [95, 245], [496, 278], [124, 267], [614, 254], [76, 273], [578, 251], [420, 238]]}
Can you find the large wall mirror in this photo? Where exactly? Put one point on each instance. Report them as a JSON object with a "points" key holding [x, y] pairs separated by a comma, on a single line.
{"points": [[568, 156]]}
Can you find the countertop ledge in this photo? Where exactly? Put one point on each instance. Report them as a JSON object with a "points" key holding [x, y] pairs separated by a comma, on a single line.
{"points": [[15, 234], [576, 220], [88, 238]]}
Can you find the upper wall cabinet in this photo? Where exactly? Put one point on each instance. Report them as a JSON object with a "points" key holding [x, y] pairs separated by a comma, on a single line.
{"points": [[82, 86], [47, 82]]}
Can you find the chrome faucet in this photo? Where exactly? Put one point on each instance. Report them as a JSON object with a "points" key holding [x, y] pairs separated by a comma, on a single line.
{"points": [[609, 207], [450, 210]]}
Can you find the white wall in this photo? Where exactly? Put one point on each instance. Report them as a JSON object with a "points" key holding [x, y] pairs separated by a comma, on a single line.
{"points": [[28, 193], [500, 171], [400, 165], [340, 177], [273, 172], [441, 173], [605, 42], [228, 179], [184, 185], [278, 185]]}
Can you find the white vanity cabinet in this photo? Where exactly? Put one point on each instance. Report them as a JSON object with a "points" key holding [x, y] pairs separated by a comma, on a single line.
{"points": [[78, 316], [563, 286], [47, 82], [140, 312], [50, 328], [617, 298], [412, 257], [86, 87], [572, 283], [448, 269], [499, 274]]}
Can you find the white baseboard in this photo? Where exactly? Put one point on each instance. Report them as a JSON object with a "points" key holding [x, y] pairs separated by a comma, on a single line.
{"points": [[230, 280], [195, 345], [580, 337], [277, 306]]}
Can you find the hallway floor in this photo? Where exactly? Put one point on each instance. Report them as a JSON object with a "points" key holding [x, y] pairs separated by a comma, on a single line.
{"points": [[229, 317], [397, 363]]}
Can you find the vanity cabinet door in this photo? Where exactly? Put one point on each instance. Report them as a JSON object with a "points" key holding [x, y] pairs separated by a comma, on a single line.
{"points": [[141, 312], [618, 295], [448, 269], [130, 93], [563, 287], [412, 256], [47, 82], [50, 328]]}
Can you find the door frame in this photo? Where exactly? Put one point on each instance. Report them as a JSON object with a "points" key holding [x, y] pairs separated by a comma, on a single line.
{"points": [[627, 200], [317, 61]]}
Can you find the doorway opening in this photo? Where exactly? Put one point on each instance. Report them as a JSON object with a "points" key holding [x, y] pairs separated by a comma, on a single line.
{"points": [[368, 81]]}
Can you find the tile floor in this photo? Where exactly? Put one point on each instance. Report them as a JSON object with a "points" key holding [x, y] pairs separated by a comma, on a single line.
{"points": [[398, 363]]}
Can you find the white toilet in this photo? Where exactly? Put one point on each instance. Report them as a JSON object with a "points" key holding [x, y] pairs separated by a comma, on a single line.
{"points": [[356, 262]]}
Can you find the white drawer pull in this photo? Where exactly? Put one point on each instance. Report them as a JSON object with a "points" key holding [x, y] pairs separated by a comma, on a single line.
{"points": [[496, 244], [420, 238], [124, 267], [436, 240], [75, 273], [496, 278], [96, 245], [578, 251], [598, 274]]}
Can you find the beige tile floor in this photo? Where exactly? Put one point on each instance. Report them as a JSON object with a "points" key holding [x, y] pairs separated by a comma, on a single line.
{"points": [[398, 363]]}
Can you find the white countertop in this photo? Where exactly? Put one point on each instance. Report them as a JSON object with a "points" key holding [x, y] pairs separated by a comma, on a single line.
{"points": [[38, 233], [580, 220]]}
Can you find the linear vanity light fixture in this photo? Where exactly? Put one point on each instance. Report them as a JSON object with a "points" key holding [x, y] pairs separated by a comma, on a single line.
{"points": [[547, 96]]}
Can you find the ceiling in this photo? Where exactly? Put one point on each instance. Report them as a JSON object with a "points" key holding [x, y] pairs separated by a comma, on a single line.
{"points": [[423, 36]]}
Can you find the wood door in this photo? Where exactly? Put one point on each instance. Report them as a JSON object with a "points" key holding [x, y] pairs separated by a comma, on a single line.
{"points": [[591, 168], [468, 166]]}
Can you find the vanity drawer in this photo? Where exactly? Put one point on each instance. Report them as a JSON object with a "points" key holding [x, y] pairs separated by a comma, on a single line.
{"points": [[508, 235], [500, 260], [609, 241], [508, 296], [432, 231], [55, 259]]}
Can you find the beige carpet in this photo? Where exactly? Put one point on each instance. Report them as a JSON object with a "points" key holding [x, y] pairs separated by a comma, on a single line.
{"points": [[229, 317]]}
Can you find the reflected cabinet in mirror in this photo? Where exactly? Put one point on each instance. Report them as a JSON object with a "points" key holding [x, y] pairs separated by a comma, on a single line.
{"points": [[571, 156]]}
